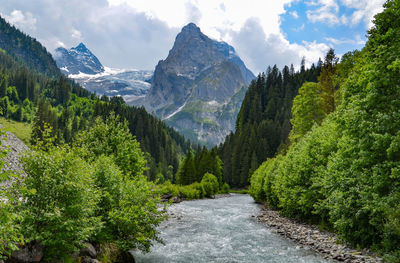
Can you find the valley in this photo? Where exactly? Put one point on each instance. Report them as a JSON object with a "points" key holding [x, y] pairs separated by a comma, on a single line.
{"points": [[197, 159]]}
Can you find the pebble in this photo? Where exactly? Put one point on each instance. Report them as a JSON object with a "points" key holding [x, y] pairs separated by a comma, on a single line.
{"points": [[308, 236]]}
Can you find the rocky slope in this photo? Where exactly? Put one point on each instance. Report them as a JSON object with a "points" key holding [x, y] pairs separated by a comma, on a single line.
{"points": [[15, 148], [199, 87]]}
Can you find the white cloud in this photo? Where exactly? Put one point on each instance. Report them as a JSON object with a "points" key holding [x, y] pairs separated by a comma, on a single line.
{"points": [[19, 19], [138, 33], [76, 34], [260, 50], [294, 14], [365, 10], [356, 41], [217, 16], [252, 27], [328, 11]]}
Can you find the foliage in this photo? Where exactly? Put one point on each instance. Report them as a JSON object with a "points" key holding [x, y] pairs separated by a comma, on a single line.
{"points": [[59, 201], [112, 138], [194, 166], [306, 111], [128, 205], [29, 50], [263, 122], [137, 215], [327, 82], [344, 174], [10, 231], [210, 184], [225, 189]]}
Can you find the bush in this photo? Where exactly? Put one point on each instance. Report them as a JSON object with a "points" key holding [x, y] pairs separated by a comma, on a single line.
{"points": [[169, 188], [59, 202], [134, 219], [225, 189], [113, 138], [210, 184]]}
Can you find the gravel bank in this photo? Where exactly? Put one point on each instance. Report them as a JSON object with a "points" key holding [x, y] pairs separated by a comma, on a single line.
{"points": [[311, 237], [15, 148]]}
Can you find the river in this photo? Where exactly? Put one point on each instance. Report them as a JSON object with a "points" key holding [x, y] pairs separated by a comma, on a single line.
{"points": [[222, 230]]}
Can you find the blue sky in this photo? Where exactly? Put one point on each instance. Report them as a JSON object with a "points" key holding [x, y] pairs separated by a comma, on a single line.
{"points": [[139, 33], [343, 37]]}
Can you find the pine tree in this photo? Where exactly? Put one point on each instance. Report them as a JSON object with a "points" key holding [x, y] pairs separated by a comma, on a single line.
{"points": [[326, 82]]}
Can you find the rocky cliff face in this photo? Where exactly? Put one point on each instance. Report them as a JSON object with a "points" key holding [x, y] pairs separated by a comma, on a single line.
{"points": [[77, 60], [199, 87]]}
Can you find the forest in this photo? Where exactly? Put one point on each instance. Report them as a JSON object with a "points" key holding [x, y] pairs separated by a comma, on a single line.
{"points": [[94, 163], [320, 145], [341, 169]]}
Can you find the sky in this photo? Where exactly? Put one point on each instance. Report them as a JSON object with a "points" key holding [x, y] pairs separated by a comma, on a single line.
{"points": [[139, 33]]}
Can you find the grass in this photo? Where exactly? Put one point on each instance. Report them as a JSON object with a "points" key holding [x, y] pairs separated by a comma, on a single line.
{"points": [[20, 129], [241, 191]]}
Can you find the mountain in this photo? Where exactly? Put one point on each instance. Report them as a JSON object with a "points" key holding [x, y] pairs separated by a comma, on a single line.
{"points": [[131, 84], [199, 87], [80, 64], [31, 96], [26, 50], [77, 60]]}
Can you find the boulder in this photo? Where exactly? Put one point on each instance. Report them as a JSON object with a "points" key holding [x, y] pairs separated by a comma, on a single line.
{"points": [[89, 250], [30, 253], [166, 197]]}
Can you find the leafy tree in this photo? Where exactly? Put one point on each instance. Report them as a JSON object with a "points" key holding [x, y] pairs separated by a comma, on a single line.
{"points": [[344, 174], [129, 208], [60, 201], [306, 111], [112, 138], [210, 184]]}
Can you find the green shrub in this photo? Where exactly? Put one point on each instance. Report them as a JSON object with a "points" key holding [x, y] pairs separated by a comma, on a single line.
{"points": [[210, 184], [189, 192], [225, 189], [59, 202], [169, 188]]}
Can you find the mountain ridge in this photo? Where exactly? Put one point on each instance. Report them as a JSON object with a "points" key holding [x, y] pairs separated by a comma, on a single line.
{"points": [[193, 84], [80, 64], [77, 60]]}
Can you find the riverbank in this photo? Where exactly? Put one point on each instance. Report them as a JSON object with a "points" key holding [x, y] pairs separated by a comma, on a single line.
{"points": [[310, 237]]}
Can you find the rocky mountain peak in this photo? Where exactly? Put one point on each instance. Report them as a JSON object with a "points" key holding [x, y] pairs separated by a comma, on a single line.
{"points": [[80, 48], [77, 60], [198, 88], [191, 28]]}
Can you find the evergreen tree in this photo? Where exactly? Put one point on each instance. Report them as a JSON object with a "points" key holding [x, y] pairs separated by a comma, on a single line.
{"points": [[327, 83]]}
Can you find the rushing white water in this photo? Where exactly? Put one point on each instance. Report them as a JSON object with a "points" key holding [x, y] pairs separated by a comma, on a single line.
{"points": [[222, 230]]}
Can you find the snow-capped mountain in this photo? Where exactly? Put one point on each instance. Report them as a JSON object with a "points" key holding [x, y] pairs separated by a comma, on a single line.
{"points": [[80, 64], [77, 60], [131, 84]]}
